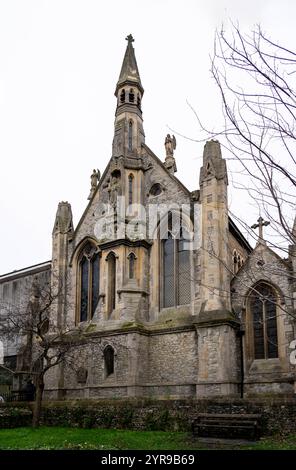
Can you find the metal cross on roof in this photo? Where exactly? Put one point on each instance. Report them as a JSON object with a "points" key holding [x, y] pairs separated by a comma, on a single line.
{"points": [[261, 223], [129, 38]]}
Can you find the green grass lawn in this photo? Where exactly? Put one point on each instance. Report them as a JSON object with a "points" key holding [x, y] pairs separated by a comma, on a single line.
{"points": [[100, 439]]}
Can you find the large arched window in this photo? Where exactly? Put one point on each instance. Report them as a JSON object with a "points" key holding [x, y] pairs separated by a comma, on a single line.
{"points": [[263, 307], [111, 300], [89, 281], [175, 268]]}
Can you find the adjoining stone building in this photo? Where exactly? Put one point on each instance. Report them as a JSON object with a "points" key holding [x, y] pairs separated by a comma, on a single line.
{"points": [[166, 315]]}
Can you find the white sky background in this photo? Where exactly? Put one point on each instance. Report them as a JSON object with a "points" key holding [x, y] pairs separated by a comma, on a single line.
{"points": [[59, 64]]}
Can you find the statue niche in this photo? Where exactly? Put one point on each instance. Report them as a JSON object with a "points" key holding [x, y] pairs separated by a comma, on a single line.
{"points": [[114, 188]]}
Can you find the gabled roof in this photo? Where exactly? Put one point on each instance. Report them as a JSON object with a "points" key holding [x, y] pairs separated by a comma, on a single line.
{"points": [[29, 271]]}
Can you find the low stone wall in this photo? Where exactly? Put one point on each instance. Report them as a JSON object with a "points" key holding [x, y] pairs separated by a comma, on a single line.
{"points": [[278, 415], [15, 416]]}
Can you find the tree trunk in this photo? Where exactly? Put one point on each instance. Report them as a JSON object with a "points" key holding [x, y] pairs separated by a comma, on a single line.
{"points": [[38, 401]]}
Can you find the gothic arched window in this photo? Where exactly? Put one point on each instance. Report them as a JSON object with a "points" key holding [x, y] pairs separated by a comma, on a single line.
{"points": [[175, 268], [89, 281], [130, 136], [263, 307], [109, 360], [130, 188], [111, 301]]}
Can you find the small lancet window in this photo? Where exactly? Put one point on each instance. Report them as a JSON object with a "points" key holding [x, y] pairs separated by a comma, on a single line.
{"points": [[130, 188], [109, 360], [234, 259], [138, 100], [238, 262], [122, 96], [111, 283], [130, 136], [131, 96], [131, 265]]}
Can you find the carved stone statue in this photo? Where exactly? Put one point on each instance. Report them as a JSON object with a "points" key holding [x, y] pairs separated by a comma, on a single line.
{"points": [[114, 188], [170, 145], [94, 179]]}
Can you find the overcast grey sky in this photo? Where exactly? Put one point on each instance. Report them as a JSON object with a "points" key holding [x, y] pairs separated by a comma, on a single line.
{"points": [[59, 63]]}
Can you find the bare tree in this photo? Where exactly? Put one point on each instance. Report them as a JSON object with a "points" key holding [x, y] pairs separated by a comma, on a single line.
{"points": [[256, 80], [45, 343]]}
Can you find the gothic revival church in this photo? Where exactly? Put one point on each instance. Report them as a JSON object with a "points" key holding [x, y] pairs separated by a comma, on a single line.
{"points": [[172, 299]]}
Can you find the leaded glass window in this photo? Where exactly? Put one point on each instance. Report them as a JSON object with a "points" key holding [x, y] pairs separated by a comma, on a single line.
{"points": [[175, 269], [184, 284], [263, 310], [168, 272], [89, 282], [95, 268], [84, 289]]}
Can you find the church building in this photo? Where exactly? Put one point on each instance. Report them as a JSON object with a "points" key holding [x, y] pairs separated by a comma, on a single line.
{"points": [[171, 298]]}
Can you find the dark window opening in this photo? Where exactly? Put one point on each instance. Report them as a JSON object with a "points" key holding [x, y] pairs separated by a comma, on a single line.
{"points": [[130, 189], [95, 267], [109, 360], [130, 136], [131, 96], [122, 96], [138, 101], [132, 259], [84, 289], [155, 190]]}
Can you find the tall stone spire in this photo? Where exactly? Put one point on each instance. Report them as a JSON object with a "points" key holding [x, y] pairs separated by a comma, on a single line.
{"points": [[129, 134], [129, 73]]}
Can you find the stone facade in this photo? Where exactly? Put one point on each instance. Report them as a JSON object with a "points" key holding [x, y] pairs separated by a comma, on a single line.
{"points": [[15, 292], [163, 316]]}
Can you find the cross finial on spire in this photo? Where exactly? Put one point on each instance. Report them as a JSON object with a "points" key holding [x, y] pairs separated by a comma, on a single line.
{"points": [[129, 38], [261, 223]]}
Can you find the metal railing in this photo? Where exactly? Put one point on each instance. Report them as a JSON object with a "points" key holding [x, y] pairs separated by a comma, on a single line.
{"points": [[17, 396]]}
